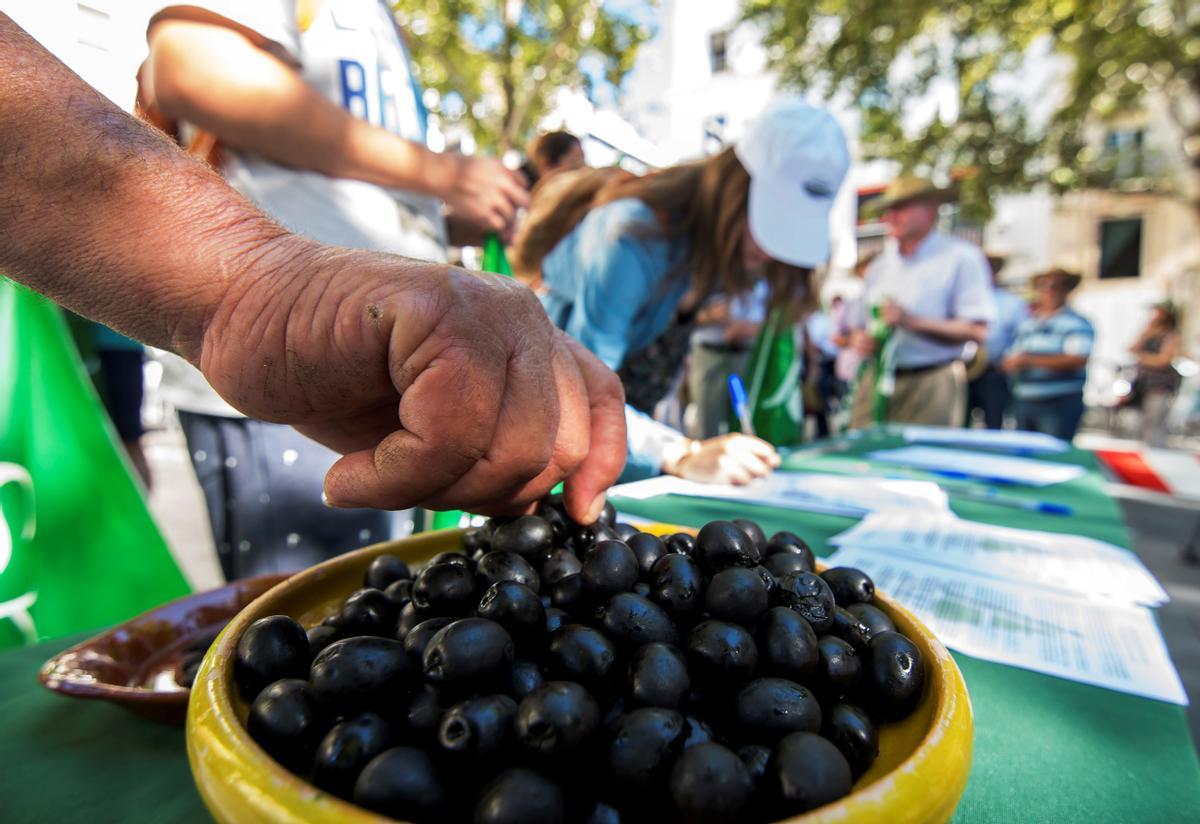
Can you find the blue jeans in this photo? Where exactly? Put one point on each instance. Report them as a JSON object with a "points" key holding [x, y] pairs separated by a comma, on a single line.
{"points": [[1054, 416]]}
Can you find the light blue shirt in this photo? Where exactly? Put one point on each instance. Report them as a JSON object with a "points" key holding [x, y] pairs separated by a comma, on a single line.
{"points": [[609, 285], [1064, 333], [1011, 311], [943, 279]]}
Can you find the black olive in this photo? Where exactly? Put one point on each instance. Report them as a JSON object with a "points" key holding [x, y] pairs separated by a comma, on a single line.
{"points": [[810, 596], [737, 595], [599, 812], [626, 531], [608, 568], [767, 709], [581, 654], [754, 531], [567, 595], [499, 565], [560, 525], [444, 589], [526, 677], [400, 592], [806, 772], [696, 732], [403, 783], [456, 558], [368, 612], [682, 543], [677, 586], [520, 796], [528, 536], [849, 585], [838, 668], [893, 675], [518, 609], [478, 729], [647, 549], [560, 564], [641, 588], [346, 749], [473, 540], [418, 638], [847, 627], [873, 618], [755, 757], [787, 645], [384, 571], [285, 722], [644, 747], [421, 715], [631, 621], [409, 618], [557, 720], [270, 649], [793, 544], [852, 731], [361, 673], [658, 677], [555, 618], [710, 785], [472, 654], [322, 636], [608, 515], [782, 564], [723, 544], [584, 537], [721, 655]]}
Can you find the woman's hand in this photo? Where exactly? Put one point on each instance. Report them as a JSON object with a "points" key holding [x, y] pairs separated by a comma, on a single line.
{"points": [[727, 459]]}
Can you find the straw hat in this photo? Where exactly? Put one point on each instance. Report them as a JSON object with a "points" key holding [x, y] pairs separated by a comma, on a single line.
{"points": [[1069, 279], [908, 188]]}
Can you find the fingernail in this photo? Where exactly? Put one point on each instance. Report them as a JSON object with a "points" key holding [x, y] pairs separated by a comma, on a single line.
{"points": [[334, 503], [593, 513]]}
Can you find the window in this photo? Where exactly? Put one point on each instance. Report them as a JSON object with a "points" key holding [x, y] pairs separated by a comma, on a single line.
{"points": [[1121, 248], [1124, 150], [718, 57]]}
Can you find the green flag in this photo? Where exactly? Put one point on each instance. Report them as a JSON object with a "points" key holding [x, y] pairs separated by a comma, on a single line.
{"points": [[494, 260], [774, 390], [78, 547]]}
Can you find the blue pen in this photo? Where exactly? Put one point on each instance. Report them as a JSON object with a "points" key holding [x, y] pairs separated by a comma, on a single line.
{"points": [[741, 404]]}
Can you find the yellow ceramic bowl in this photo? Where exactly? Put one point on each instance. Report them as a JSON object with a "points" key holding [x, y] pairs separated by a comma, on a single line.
{"points": [[918, 777]]}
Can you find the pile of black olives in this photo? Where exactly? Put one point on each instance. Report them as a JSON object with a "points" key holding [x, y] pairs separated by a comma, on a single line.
{"points": [[554, 672]]}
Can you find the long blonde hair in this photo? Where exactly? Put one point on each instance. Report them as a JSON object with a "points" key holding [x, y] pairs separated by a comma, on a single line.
{"points": [[705, 202]]}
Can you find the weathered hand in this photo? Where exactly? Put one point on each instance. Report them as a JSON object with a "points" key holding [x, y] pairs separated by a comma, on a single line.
{"points": [[444, 388], [483, 192]]}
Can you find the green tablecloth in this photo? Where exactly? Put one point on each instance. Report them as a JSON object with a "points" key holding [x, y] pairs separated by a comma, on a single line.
{"points": [[1045, 749]]}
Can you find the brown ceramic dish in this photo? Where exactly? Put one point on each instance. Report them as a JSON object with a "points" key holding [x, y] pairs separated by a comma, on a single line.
{"points": [[145, 663]]}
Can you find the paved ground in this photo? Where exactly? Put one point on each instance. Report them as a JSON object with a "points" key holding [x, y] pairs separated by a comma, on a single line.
{"points": [[1158, 534]]}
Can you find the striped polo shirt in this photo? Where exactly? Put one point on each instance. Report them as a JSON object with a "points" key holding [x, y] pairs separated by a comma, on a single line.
{"points": [[1064, 333]]}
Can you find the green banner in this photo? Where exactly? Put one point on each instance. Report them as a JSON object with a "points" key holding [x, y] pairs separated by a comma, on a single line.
{"points": [[775, 392], [78, 547]]}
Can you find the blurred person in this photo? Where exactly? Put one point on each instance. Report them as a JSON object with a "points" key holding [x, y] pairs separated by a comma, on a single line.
{"points": [[439, 387], [1048, 359], [990, 392], [844, 313], [720, 346], [630, 277], [552, 153], [933, 292], [1157, 382], [311, 111]]}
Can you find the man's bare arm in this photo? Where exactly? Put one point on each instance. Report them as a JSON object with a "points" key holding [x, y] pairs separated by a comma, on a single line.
{"points": [[213, 76]]}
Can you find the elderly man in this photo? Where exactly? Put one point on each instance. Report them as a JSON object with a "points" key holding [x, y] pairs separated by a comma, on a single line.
{"points": [[929, 295]]}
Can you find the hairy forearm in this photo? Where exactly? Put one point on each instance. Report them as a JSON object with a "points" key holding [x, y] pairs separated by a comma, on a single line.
{"points": [[947, 331], [106, 216], [248, 98]]}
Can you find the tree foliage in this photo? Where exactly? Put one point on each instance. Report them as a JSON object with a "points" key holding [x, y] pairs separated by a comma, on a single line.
{"points": [[889, 55], [496, 65]]}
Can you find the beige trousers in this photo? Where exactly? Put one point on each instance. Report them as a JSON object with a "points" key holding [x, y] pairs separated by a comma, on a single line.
{"points": [[937, 397]]}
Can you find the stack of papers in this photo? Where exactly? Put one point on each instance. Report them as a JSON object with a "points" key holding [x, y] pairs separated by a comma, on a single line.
{"points": [[831, 494], [1064, 605], [1008, 440], [985, 466]]}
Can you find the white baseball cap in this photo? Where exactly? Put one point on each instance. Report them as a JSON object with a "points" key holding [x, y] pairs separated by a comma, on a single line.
{"points": [[797, 157]]}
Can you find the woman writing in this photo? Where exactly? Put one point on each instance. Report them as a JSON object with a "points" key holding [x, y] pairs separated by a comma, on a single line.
{"points": [[626, 273]]}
